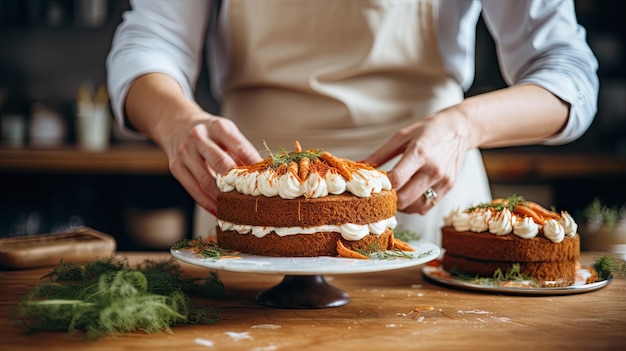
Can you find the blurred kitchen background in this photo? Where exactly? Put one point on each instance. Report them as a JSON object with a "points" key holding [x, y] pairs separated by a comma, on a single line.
{"points": [[64, 164]]}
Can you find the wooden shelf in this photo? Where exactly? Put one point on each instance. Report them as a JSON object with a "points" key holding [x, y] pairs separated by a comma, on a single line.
{"points": [[146, 159], [120, 160], [502, 166]]}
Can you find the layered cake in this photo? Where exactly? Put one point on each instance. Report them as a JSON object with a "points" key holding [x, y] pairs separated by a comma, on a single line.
{"points": [[306, 203], [497, 235]]}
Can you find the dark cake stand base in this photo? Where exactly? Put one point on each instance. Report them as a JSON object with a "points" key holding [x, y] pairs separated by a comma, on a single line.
{"points": [[303, 291]]}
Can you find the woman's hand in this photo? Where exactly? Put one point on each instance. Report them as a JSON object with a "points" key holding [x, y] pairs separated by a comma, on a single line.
{"points": [[198, 151], [432, 151], [198, 145], [433, 148]]}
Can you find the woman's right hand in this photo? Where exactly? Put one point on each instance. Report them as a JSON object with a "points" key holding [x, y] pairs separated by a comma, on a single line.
{"points": [[198, 144], [198, 151]]}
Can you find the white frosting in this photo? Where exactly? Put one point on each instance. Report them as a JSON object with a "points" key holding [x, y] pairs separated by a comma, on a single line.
{"points": [[349, 231], [525, 227], [505, 222], [500, 223], [461, 221], [364, 183], [479, 220], [553, 230], [569, 225]]}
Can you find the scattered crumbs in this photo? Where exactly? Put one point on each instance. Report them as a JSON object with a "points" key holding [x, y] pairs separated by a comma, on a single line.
{"points": [[446, 314], [401, 314], [266, 326], [472, 312], [265, 348], [420, 318], [391, 325], [203, 342], [480, 320], [420, 295], [509, 320], [417, 286], [239, 336]]}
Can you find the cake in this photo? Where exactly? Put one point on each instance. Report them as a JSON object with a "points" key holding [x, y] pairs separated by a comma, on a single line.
{"points": [[306, 203], [494, 236]]}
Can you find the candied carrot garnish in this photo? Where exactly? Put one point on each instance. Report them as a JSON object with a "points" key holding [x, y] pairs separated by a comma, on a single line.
{"points": [[401, 245], [526, 211], [345, 252], [334, 161], [542, 211], [303, 169]]}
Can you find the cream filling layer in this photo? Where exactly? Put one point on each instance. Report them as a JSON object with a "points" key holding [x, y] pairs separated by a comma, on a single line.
{"points": [[348, 231]]}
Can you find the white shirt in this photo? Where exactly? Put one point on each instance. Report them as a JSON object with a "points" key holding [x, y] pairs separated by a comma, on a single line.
{"points": [[537, 41]]}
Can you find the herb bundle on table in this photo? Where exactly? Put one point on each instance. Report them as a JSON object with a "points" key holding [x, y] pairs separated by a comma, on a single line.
{"points": [[107, 296]]}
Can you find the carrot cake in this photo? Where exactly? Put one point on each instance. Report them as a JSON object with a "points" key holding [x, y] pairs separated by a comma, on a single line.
{"points": [[305, 203], [491, 236]]}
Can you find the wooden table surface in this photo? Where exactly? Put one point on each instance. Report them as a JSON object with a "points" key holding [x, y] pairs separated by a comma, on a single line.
{"points": [[377, 317]]}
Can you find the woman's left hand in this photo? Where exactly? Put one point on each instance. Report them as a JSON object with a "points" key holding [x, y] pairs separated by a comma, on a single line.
{"points": [[432, 151]]}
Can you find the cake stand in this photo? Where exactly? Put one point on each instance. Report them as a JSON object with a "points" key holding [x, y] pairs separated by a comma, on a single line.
{"points": [[303, 284]]}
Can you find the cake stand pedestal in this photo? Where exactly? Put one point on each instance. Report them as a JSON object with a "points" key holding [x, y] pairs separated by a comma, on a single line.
{"points": [[303, 291]]}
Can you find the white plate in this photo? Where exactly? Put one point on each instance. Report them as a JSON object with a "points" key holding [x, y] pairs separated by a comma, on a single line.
{"points": [[439, 275], [424, 252]]}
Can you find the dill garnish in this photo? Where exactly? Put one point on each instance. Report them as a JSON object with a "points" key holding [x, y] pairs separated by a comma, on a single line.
{"points": [[375, 251], [513, 274], [206, 249], [106, 296], [285, 157], [607, 266], [508, 202], [406, 235]]}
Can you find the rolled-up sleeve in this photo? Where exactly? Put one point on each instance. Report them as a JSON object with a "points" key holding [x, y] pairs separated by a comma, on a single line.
{"points": [[541, 42], [157, 36]]}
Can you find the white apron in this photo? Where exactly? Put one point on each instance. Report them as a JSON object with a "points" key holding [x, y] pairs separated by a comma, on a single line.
{"points": [[342, 75]]}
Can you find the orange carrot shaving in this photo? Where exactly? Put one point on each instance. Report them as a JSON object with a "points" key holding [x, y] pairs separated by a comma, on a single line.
{"points": [[526, 211], [336, 162], [293, 169], [345, 252], [542, 211], [401, 245], [303, 169]]}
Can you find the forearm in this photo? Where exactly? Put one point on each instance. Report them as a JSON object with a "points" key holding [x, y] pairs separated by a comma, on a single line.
{"points": [[517, 115], [155, 103]]}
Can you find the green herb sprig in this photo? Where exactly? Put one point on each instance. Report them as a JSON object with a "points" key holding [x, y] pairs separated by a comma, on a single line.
{"points": [[508, 202], [608, 266], [597, 213], [285, 157], [406, 235], [513, 274], [106, 296], [204, 248]]}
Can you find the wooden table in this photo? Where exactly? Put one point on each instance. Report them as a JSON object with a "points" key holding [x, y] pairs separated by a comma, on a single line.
{"points": [[377, 318]]}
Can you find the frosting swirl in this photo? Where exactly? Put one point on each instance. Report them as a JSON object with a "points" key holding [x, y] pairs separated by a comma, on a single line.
{"points": [[500, 224], [513, 215], [364, 183], [525, 227], [568, 223], [553, 230]]}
